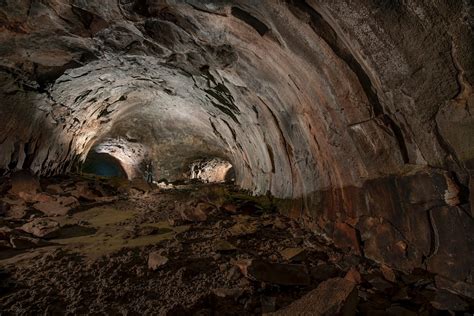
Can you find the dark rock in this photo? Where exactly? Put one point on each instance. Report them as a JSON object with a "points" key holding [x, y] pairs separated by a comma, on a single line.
{"points": [[445, 300], [52, 208], [332, 297], [285, 274], [24, 182]]}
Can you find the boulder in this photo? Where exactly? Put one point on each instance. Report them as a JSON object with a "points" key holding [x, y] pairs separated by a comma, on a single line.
{"points": [[192, 213], [293, 254], [332, 297], [42, 227], [444, 300], [24, 182], [221, 245], [277, 273], [52, 208], [156, 260]]}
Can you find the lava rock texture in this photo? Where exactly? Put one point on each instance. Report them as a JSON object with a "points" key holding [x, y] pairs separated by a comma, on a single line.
{"points": [[356, 114]]}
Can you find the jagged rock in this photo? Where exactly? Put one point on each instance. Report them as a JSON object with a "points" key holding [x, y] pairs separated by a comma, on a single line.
{"points": [[293, 254], [17, 211], [324, 271], [42, 227], [24, 182], [156, 260], [388, 273], [444, 300], [54, 189], [223, 246], [353, 275], [193, 213], [332, 297], [225, 292], [285, 274]]}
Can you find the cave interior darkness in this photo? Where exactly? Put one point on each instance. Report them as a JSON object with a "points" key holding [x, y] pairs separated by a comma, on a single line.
{"points": [[353, 119]]}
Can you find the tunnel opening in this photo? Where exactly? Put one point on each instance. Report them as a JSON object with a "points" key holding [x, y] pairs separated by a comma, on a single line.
{"points": [[212, 170], [103, 165]]}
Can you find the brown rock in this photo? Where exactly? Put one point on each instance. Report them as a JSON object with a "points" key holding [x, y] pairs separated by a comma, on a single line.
{"points": [[388, 273], [23, 181], [54, 189], [324, 271], [345, 237], [353, 275], [42, 227], [332, 297], [17, 211], [285, 274], [156, 260], [193, 214], [230, 208], [224, 292], [445, 300], [223, 246], [52, 208], [293, 254]]}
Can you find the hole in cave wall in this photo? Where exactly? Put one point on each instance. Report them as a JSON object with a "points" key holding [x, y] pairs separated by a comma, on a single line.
{"points": [[103, 164]]}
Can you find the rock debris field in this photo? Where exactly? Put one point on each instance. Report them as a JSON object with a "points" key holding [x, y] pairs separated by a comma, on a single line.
{"points": [[112, 247]]}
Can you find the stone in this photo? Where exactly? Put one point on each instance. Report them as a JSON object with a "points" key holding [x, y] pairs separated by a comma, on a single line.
{"points": [[388, 273], [24, 182], [17, 211], [446, 301], [192, 213], [221, 245], [345, 237], [230, 208], [277, 273], [226, 292], [156, 260], [293, 254], [52, 208], [243, 228], [54, 189], [42, 227], [332, 297], [324, 271], [353, 275]]}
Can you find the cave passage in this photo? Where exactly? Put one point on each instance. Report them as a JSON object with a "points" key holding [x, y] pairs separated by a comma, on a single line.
{"points": [[236, 157], [102, 164]]}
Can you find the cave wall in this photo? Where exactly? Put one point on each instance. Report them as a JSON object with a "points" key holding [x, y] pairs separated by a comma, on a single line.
{"points": [[356, 114]]}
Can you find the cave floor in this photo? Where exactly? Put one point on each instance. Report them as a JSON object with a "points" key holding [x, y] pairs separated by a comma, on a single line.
{"points": [[75, 245]]}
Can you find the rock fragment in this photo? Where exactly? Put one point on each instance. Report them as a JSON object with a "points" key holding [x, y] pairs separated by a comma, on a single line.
{"points": [[156, 260], [277, 273], [336, 296], [42, 227]]}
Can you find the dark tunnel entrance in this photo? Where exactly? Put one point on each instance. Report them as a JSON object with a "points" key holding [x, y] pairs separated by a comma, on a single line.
{"points": [[103, 164]]}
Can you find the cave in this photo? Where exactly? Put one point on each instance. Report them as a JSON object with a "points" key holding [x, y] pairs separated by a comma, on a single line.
{"points": [[236, 157]]}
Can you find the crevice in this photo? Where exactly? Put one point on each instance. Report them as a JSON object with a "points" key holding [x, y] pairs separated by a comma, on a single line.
{"points": [[249, 19]]}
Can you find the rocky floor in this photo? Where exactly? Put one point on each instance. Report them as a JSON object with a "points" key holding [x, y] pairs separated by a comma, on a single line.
{"points": [[80, 245]]}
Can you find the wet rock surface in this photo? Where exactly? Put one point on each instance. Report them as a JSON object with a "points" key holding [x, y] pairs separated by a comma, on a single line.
{"points": [[140, 254]]}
